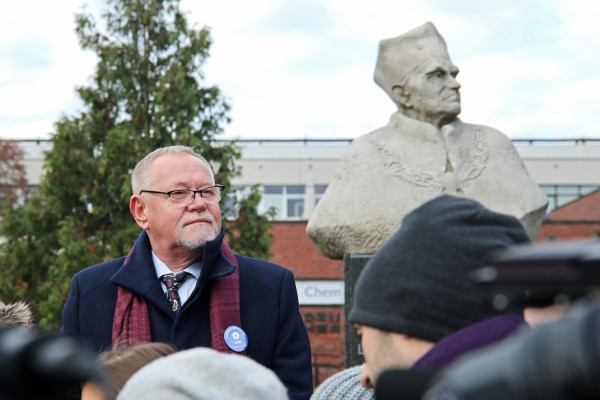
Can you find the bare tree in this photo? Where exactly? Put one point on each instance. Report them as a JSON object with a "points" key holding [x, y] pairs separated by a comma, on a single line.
{"points": [[13, 179]]}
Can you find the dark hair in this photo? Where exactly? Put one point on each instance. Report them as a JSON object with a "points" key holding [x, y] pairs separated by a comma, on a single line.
{"points": [[122, 362]]}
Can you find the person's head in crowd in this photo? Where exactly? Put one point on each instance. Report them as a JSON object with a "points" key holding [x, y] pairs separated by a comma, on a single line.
{"points": [[120, 364], [18, 314], [204, 374], [157, 178], [344, 385], [415, 70], [414, 304]]}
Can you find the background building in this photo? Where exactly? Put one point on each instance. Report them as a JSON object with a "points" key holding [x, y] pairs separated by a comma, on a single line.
{"points": [[294, 175]]}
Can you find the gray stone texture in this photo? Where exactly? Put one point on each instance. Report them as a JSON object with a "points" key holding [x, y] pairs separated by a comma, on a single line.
{"points": [[424, 151]]}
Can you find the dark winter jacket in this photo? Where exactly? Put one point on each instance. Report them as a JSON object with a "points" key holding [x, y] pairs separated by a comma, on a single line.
{"points": [[269, 312]]}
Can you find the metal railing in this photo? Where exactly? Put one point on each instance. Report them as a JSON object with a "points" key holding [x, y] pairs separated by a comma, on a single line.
{"points": [[307, 141]]}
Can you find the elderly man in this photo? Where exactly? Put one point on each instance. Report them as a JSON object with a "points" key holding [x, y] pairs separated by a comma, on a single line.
{"points": [[213, 298], [414, 305], [425, 150]]}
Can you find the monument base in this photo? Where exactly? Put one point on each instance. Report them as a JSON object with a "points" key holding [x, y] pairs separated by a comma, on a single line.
{"points": [[353, 265]]}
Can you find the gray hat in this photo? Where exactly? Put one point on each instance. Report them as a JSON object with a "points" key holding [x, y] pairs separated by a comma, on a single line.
{"points": [[417, 283], [344, 385], [204, 374]]}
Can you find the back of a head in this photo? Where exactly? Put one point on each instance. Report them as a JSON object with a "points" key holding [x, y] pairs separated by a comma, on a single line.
{"points": [[418, 282], [121, 363], [344, 385], [204, 374]]}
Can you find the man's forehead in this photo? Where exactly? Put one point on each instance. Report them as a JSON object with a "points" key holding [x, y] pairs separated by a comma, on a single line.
{"points": [[181, 160], [432, 65], [176, 168]]}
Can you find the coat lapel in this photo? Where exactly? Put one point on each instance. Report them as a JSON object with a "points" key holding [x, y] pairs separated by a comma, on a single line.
{"points": [[138, 275]]}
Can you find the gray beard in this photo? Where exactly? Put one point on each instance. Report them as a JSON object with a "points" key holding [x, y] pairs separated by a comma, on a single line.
{"points": [[195, 244]]}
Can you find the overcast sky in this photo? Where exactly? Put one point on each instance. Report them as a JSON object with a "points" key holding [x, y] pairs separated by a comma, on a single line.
{"points": [[304, 68]]}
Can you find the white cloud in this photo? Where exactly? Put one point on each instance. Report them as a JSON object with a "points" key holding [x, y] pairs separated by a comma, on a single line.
{"points": [[304, 69], [504, 90], [41, 64]]}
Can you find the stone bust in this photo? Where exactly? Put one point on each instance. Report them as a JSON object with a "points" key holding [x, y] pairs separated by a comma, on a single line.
{"points": [[424, 151]]}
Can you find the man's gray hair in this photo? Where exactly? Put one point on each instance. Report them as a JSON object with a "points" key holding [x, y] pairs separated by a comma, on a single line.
{"points": [[138, 175]]}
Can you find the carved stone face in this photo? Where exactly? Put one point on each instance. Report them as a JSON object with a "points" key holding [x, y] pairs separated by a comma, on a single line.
{"points": [[431, 92]]}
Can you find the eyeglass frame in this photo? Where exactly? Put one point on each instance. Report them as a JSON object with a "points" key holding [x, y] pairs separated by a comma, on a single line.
{"points": [[194, 193]]}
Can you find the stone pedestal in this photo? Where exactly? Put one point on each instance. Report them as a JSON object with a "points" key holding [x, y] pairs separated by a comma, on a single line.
{"points": [[353, 264]]}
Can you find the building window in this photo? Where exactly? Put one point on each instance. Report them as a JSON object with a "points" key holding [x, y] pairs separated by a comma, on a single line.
{"points": [[230, 205], [287, 200], [319, 192], [559, 195]]}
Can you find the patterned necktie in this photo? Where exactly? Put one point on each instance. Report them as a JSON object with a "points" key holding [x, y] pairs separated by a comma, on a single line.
{"points": [[172, 282]]}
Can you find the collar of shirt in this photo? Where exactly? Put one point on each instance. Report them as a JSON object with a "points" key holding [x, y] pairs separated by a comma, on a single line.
{"points": [[188, 286]]}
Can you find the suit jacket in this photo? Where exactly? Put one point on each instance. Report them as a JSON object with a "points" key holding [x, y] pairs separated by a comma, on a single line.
{"points": [[277, 337]]}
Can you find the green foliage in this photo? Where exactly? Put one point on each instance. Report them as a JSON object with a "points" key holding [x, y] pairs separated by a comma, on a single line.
{"points": [[146, 93], [251, 227]]}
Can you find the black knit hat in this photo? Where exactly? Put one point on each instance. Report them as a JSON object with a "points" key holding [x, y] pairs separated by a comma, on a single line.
{"points": [[417, 283]]}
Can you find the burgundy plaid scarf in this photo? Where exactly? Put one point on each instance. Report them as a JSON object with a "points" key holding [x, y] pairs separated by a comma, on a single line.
{"points": [[131, 323]]}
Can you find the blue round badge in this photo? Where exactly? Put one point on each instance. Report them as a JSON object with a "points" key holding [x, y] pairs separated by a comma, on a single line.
{"points": [[236, 339]]}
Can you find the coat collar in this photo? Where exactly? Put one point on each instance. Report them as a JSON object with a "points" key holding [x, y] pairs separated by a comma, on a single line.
{"points": [[137, 274]]}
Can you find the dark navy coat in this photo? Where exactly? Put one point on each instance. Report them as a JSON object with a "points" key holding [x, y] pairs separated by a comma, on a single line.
{"points": [[269, 312]]}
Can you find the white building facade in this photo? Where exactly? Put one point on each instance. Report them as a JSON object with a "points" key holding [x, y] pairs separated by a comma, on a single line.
{"points": [[294, 174]]}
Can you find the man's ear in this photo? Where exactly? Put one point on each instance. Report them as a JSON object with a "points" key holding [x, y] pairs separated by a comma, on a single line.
{"points": [[401, 97], [138, 210]]}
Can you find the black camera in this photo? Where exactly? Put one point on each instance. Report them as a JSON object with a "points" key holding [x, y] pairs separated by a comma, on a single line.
{"points": [[34, 365], [539, 275]]}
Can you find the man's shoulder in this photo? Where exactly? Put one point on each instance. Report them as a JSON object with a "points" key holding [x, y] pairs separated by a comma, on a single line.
{"points": [[257, 265], [262, 271], [100, 272]]}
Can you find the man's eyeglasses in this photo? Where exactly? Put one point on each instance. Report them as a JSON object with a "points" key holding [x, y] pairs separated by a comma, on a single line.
{"points": [[185, 197]]}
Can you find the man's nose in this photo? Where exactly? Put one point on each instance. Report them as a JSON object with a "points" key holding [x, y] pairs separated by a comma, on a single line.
{"points": [[197, 201], [365, 380], [453, 82]]}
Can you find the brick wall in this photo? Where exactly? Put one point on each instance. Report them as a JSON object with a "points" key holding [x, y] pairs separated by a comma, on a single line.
{"points": [[579, 219], [294, 250], [325, 324], [585, 208], [567, 230]]}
